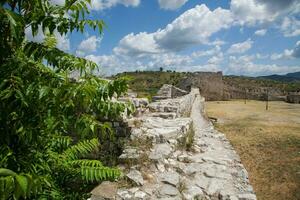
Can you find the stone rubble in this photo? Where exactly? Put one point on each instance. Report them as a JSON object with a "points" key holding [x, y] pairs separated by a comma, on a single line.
{"points": [[209, 170]]}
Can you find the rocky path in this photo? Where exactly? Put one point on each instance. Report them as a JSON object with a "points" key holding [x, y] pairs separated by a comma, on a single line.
{"points": [[218, 170], [179, 155]]}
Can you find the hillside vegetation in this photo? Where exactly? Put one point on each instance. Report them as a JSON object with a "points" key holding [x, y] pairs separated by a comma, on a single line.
{"points": [[252, 82], [147, 83]]}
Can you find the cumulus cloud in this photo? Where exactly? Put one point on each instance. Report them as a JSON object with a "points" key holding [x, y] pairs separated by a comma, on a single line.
{"points": [[171, 4], [290, 27], [105, 4], [260, 56], [245, 65], [39, 37], [63, 41], [240, 47], [296, 51], [251, 12], [215, 60], [261, 32], [130, 45], [210, 52], [112, 64], [170, 59], [197, 26], [288, 53], [194, 26], [217, 42], [88, 45]]}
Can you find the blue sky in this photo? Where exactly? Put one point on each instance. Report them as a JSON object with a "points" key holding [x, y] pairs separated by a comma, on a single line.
{"points": [[240, 37]]}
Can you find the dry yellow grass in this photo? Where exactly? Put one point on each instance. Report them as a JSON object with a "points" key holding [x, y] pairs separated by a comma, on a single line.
{"points": [[268, 143]]}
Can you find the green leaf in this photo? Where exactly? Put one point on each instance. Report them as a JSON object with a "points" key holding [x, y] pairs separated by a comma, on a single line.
{"points": [[22, 183], [7, 172]]}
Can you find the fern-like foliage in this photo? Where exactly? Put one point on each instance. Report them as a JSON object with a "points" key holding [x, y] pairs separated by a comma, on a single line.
{"points": [[92, 174], [86, 163], [50, 123], [81, 149]]}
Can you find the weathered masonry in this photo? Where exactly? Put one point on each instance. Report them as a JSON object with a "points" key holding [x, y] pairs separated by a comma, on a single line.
{"points": [[174, 152]]}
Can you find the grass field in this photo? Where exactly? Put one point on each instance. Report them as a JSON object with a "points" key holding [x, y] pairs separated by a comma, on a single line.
{"points": [[268, 143]]}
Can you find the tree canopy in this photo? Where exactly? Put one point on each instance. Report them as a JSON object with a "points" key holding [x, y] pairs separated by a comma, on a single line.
{"points": [[51, 122]]}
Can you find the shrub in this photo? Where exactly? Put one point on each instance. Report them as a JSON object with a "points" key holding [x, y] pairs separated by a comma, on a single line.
{"points": [[50, 121]]}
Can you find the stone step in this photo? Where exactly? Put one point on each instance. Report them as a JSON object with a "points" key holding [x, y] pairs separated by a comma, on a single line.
{"points": [[162, 108], [168, 115]]}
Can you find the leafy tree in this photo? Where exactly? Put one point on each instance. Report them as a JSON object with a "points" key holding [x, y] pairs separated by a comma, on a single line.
{"points": [[51, 122]]}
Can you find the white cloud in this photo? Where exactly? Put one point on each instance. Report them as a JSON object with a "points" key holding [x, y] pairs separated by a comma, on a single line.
{"points": [[194, 26], [216, 60], [288, 53], [63, 41], [39, 37], [105, 4], [171, 4], [88, 45], [217, 42], [239, 48], [244, 65], [261, 32], [290, 27], [296, 51], [251, 12], [260, 56], [58, 2], [151, 50], [210, 52], [138, 45], [170, 59]]}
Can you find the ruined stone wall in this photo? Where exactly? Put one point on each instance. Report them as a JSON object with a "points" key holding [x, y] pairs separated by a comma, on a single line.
{"points": [[186, 103], [260, 93], [214, 88], [180, 157], [169, 91], [293, 98], [210, 84], [180, 106]]}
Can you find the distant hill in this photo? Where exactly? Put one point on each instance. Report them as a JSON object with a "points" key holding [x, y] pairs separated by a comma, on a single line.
{"points": [[290, 77]]}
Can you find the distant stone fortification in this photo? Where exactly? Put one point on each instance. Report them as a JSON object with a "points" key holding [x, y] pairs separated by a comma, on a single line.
{"points": [[213, 87], [211, 84], [293, 97]]}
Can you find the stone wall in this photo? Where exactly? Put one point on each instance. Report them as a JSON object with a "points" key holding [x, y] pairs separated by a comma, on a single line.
{"points": [[255, 93], [169, 91], [175, 153], [214, 88], [293, 98], [210, 84], [180, 106]]}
